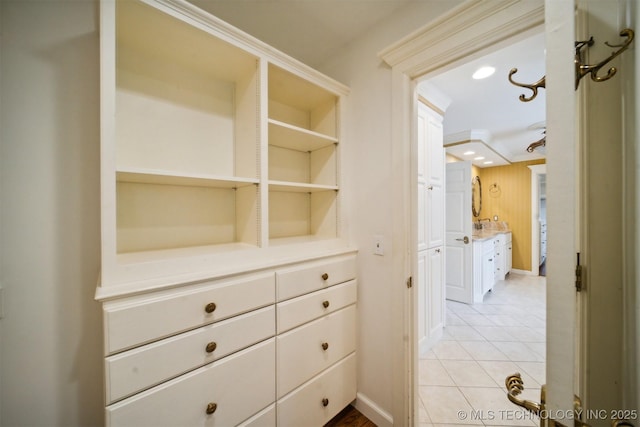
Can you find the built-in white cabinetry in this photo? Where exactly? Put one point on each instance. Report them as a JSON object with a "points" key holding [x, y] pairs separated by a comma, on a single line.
{"points": [[216, 149], [509, 253], [483, 268], [431, 284], [500, 256], [289, 329], [228, 283], [491, 263]]}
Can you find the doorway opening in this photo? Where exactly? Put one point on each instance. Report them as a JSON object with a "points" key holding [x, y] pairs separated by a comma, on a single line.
{"points": [[488, 338]]}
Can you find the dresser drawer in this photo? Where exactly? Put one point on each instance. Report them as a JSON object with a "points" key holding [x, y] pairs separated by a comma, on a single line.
{"points": [[306, 351], [319, 400], [311, 277], [146, 366], [264, 418], [139, 320], [239, 385], [297, 311]]}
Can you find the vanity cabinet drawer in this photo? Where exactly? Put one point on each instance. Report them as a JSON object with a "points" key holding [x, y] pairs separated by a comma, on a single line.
{"points": [[308, 307], [314, 276], [223, 393], [319, 400], [134, 370], [142, 319], [306, 351]]}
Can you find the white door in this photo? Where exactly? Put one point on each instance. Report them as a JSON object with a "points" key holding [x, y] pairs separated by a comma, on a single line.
{"points": [[459, 253]]}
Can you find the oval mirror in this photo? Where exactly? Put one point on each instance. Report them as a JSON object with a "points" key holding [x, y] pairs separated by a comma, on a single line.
{"points": [[476, 196]]}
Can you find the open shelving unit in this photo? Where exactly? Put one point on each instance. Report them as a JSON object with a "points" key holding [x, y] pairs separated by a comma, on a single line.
{"points": [[185, 161], [208, 146], [303, 159]]}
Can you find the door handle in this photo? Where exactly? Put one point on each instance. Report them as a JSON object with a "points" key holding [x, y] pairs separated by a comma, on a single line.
{"points": [[465, 239]]}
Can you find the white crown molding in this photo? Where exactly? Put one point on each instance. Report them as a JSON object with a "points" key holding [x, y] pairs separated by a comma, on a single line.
{"points": [[447, 39]]}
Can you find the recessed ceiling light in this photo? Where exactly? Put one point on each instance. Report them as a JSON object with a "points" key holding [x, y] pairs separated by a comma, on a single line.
{"points": [[468, 153], [483, 72], [479, 158], [488, 162]]}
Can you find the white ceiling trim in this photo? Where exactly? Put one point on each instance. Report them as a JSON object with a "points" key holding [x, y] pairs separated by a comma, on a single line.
{"points": [[464, 32]]}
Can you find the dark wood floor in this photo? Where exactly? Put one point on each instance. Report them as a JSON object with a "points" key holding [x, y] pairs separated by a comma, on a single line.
{"points": [[350, 417]]}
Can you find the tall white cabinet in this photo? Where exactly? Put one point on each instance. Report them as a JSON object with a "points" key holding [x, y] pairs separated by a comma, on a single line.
{"points": [[431, 214], [228, 284]]}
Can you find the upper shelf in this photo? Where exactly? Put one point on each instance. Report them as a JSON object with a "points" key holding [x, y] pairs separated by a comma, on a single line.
{"points": [[150, 176], [296, 138]]}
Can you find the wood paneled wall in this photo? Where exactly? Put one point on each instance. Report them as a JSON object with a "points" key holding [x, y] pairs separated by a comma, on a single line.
{"points": [[510, 200]]}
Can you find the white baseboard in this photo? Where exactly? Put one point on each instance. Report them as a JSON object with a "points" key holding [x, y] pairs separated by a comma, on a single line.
{"points": [[425, 344], [371, 410]]}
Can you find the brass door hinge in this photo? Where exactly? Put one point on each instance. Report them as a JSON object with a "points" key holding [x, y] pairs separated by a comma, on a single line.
{"points": [[410, 282], [578, 273]]}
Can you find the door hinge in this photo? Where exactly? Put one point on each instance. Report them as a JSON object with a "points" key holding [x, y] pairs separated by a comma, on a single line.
{"points": [[410, 282], [578, 273]]}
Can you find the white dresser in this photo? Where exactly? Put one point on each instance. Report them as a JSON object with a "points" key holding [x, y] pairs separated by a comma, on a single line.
{"points": [[275, 347], [228, 282]]}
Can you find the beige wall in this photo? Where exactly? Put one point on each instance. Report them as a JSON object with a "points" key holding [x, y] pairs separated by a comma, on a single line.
{"points": [[368, 154], [51, 343], [511, 201]]}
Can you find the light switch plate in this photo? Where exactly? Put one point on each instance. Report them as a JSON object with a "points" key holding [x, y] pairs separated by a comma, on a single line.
{"points": [[378, 245]]}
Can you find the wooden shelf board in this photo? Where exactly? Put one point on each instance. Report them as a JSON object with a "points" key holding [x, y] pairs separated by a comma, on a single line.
{"points": [[145, 176], [297, 187], [296, 138]]}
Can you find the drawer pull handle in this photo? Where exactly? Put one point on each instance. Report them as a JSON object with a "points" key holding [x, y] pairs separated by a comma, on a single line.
{"points": [[211, 408], [211, 347], [325, 276], [325, 304], [325, 402], [325, 346], [210, 308]]}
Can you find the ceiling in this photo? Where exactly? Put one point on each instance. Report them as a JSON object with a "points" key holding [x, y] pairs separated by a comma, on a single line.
{"points": [[308, 30], [312, 30], [488, 112]]}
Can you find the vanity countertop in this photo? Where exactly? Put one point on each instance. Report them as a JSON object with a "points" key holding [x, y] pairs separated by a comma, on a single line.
{"points": [[481, 235]]}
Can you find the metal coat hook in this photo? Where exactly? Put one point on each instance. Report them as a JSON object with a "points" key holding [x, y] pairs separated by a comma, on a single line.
{"points": [[540, 143], [581, 68], [534, 87]]}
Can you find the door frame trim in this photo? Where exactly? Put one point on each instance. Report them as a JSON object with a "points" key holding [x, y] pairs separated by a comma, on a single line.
{"points": [[467, 31]]}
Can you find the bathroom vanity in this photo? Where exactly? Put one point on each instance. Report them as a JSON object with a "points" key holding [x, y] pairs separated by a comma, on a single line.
{"points": [[492, 252]]}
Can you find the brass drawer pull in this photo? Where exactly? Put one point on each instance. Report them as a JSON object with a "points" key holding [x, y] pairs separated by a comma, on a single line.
{"points": [[211, 347], [325, 346], [211, 408], [325, 402], [325, 276], [325, 304], [210, 308]]}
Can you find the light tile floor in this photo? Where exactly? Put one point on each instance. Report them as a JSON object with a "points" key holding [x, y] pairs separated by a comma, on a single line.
{"points": [[461, 379]]}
